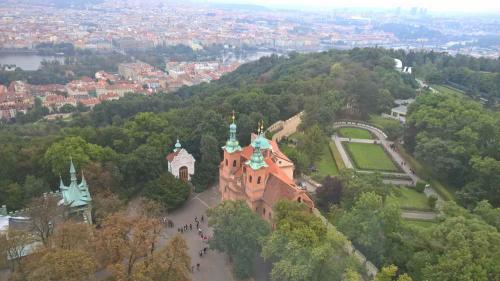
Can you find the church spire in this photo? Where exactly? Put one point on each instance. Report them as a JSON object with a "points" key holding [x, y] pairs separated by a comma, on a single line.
{"points": [[232, 143], [72, 170]]}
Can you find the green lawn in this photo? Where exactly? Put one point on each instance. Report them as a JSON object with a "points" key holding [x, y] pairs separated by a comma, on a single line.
{"points": [[445, 89], [355, 133], [408, 198], [367, 156], [325, 166]]}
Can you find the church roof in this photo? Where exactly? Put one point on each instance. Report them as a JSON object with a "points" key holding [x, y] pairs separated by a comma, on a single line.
{"points": [[76, 194], [172, 155]]}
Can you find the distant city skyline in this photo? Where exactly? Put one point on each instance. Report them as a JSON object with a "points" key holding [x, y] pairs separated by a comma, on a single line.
{"points": [[460, 6]]}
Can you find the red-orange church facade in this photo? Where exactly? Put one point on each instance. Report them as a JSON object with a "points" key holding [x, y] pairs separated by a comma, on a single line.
{"points": [[259, 174]]}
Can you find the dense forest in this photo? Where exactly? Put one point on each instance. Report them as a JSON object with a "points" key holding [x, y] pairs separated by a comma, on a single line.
{"points": [[121, 146]]}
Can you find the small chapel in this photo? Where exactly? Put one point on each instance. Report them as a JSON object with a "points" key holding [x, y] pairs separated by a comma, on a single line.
{"points": [[181, 163], [260, 174]]}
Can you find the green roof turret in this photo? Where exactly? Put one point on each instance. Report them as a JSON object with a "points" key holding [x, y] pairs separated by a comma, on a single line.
{"points": [[257, 160], [232, 144], [177, 145]]}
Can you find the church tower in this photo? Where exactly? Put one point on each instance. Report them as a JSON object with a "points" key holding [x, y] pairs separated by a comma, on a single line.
{"points": [[255, 169], [232, 150]]}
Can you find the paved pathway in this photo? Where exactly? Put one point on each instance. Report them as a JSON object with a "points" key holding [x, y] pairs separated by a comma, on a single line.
{"points": [[214, 265], [418, 215], [342, 152]]}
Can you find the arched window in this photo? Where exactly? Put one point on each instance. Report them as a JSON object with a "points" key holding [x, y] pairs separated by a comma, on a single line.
{"points": [[264, 211], [250, 179], [225, 188], [299, 199], [226, 162], [234, 163], [258, 180]]}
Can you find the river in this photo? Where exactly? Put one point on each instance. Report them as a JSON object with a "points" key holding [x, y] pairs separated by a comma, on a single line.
{"points": [[28, 62]]}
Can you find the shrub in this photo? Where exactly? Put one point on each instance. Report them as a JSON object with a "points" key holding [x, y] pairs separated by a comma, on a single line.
{"points": [[432, 200], [420, 186]]}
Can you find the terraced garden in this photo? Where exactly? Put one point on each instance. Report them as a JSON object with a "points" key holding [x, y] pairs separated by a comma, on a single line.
{"points": [[355, 133]]}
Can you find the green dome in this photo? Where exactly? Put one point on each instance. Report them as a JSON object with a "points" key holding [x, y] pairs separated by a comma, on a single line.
{"points": [[264, 143], [232, 127]]}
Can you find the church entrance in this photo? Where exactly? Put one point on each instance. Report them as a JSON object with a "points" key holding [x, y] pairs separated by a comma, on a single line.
{"points": [[183, 174]]}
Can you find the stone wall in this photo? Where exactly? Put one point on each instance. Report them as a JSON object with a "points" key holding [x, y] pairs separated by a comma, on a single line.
{"points": [[285, 128]]}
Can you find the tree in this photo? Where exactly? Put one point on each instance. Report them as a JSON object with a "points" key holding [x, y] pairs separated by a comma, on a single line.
{"points": [[58, 155], [329, 192], [43, 213], [206, 170], [105, 204], [168, 190], [312, 143], [302, 248], [238, 232], [72, 236], [388, 273], [16, 244], [372, 226], [71, 265], [172, 262]]}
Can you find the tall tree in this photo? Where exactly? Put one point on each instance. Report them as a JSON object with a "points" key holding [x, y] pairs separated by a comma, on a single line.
{"points": [[238, 232]]}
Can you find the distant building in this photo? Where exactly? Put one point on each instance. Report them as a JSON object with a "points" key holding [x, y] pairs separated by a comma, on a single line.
{"points": [[181, 163], [259, 174]]}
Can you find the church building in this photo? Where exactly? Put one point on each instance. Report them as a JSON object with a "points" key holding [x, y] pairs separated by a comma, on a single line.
{"points": [[260, 174], [181, 163]]}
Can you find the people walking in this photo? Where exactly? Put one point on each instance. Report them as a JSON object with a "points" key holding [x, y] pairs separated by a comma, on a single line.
{"points": [[190, 227], [198, 266]]}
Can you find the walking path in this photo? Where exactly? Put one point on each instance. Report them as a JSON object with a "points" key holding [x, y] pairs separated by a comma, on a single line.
{"points": [[419, 215], [213, 265]]}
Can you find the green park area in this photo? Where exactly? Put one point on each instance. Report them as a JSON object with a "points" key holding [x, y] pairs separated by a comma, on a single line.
{"points": [[355, 133], [445, 89], [408, 198], [325, 166], [367, 156]]}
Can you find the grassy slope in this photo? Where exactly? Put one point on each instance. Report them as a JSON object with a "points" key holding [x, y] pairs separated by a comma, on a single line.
{"points": [[424, 173], [370, 157], [409, 199], [336, 156], [355, 133], [445, 89], [326, 165]]}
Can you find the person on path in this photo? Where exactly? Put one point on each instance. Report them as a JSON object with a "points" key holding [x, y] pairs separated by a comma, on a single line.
{"points": [[198, 266], [192, 268], [197, 225], [201, 254], [205, 250], [201, 218], [190, 227]]}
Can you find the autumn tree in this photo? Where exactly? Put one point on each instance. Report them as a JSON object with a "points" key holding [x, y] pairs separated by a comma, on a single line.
{"points": [[44, 212], [72, 236], [172, 262], [15, 246], [61, 264]]}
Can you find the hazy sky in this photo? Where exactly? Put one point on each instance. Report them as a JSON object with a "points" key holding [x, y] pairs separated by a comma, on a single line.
{"points": [[490, 6]]}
